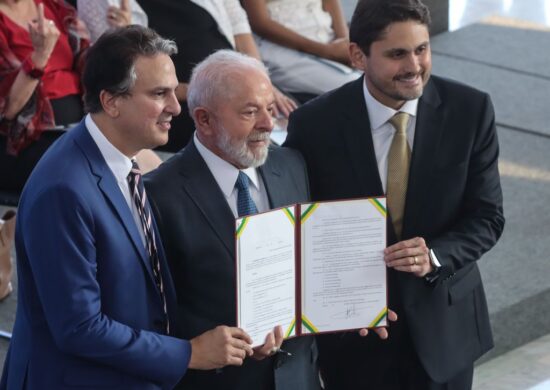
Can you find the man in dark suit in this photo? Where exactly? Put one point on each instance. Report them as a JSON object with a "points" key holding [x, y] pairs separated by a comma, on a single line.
{"points": [[196, 197], [95, 297], [440, 174]]}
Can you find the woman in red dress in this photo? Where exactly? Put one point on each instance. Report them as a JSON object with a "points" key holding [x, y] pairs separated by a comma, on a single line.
{"points": [[41, 42]]}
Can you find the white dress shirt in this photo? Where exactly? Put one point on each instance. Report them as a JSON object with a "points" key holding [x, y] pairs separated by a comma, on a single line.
{"points": [[226, 175], [120, 166], [383, 131]]}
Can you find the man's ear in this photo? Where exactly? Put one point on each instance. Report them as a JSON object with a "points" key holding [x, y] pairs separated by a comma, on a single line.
{"points": [[110, 103], [204, 121], [357, 56]]}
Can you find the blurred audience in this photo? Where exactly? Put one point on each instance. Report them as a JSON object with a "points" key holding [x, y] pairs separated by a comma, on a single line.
{"points": [[201, 27], [41, 42], [100, 15], [41, 59], [304, 43]]}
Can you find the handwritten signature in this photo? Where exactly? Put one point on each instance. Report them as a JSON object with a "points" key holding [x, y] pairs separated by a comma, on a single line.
{"points": [[352, 311]]}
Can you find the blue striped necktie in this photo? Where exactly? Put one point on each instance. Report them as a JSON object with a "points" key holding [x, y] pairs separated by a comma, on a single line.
{"points": [[245, 204], [137, 192]]}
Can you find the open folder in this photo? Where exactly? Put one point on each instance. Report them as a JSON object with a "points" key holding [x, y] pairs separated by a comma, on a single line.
{"points": [[312, 268]]}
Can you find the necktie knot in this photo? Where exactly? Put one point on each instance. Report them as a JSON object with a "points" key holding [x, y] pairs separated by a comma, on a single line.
{"points": [[243, 182], [135, 171], [400, 121], [245, 204]]}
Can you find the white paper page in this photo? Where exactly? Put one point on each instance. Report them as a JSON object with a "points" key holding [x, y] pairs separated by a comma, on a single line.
{"points": [[343, 269], [266, 274]]}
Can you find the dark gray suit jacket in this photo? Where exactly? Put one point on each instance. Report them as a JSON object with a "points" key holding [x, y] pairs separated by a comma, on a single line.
{"points": [[197, 227], [454, 201]]}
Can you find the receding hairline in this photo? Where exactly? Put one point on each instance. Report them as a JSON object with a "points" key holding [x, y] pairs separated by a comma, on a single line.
{"points": [[235, 78]]}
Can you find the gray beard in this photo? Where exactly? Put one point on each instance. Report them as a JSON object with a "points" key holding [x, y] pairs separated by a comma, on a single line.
{"points": [[239, 152]]}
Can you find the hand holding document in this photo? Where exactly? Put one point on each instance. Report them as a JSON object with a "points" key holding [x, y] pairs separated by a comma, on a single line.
{"points": [[312, 268]]}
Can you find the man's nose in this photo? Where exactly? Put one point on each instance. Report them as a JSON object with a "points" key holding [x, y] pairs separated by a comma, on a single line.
{"points": [[413, 63], [265, 121], [173, 106]]}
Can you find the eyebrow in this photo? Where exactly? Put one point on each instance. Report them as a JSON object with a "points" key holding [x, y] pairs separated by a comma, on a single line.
{"points": [[398, 49]]}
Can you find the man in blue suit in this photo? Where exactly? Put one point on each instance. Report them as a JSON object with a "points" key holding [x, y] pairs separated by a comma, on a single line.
{"points": [[95, 296]]}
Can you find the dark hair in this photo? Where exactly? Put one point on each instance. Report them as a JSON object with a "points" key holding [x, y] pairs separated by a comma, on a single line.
{"points": [[109, 63], [372, 17]]}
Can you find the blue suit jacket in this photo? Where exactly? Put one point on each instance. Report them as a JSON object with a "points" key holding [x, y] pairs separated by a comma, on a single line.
{"points": [[89, 312]]}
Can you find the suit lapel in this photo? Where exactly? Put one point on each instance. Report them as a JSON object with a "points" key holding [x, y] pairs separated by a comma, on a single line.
{"points": [[202, 188], [273, 181], [357, 133], [426, 140], [108, 186]]}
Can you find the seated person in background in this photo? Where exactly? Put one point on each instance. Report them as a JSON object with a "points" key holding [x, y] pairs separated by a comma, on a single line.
{"points": [[40, 93], [41, 58], [304, 43], [100, 15], [201, 27]]}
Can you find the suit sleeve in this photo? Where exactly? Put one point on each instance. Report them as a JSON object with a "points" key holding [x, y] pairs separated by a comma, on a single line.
{"points": [[480, 220], [59, 236]]}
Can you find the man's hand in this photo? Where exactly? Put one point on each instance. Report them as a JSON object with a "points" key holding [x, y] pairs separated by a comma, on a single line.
{"points": [[409, 256], [220, 347], [283, 104], [273, 342], [382, 332], [120, 16]]}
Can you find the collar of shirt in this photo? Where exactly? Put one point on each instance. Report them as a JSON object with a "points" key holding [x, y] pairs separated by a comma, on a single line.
{"points": [[379, 114], [119, 164], [224, 172]]}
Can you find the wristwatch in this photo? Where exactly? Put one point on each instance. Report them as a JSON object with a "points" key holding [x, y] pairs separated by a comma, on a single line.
{"points": [[436, 267], [31, 70]]}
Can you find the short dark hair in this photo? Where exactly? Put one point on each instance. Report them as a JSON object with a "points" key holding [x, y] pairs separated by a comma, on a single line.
{"points": [[372, 17], [109, 63]]}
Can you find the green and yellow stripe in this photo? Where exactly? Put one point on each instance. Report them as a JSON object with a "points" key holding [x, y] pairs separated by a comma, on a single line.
{"points": [[307, 323], [290, 215], [306, 214], [379, 318], [378, 206], [290, 328], [241, 227]]}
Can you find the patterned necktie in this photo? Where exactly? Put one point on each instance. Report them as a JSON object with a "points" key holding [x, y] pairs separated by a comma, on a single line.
{"points": [[137, 192], [245, 204], [399, 159]]}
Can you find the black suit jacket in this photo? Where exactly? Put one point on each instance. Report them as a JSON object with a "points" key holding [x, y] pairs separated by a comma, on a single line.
{"points": [[454, 201], [197, 227]]}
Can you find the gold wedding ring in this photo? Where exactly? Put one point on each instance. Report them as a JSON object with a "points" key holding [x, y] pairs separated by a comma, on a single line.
{"points": [[415, 260]]}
